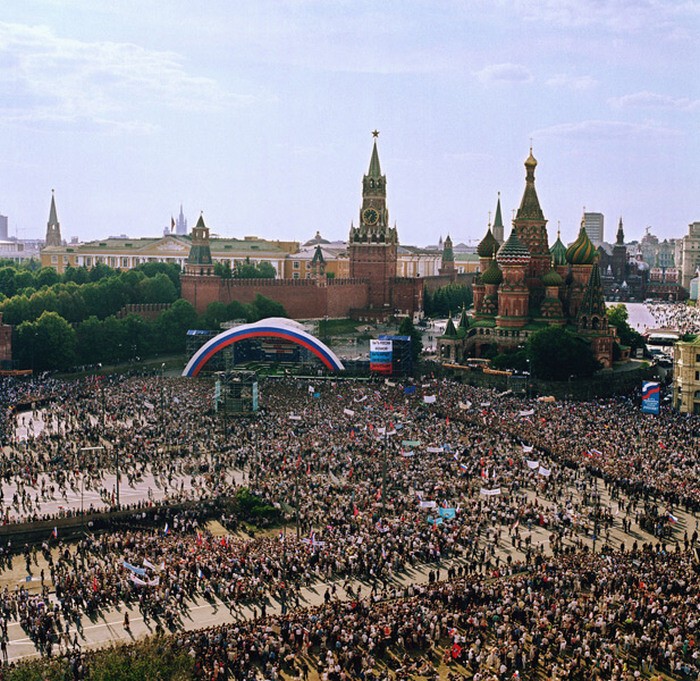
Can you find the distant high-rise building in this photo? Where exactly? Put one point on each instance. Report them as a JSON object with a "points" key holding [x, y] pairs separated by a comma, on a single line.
{"points": [[593, 224], [3, 227], [53, 227], [181, 224]]}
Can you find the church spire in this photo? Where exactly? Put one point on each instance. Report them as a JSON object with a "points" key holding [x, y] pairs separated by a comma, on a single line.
{"points": [[53, 227], [498, 222], [620, 235]]}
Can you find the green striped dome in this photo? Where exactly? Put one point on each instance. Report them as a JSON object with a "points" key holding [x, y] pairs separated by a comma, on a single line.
{"points": [[582, 251], [558, 251], [552, 278], [493, 274], [488, 245]]}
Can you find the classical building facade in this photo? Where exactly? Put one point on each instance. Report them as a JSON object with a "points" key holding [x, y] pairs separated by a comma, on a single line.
{"points": [[687, 256], [525, 286], [686, 376]]}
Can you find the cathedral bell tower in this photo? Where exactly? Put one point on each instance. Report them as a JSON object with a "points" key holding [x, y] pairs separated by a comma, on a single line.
{"points": [[372, 245]]}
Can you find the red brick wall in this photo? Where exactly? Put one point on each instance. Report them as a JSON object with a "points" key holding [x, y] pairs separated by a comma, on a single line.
{"points": [[301, 298]]}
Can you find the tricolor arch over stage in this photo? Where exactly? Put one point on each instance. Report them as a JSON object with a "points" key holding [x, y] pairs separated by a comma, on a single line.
{"points": [[272, 327]]}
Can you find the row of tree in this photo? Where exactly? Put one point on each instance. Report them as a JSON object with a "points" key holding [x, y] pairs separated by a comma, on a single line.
{"points": [[51, 342], [447, 300], [103, 294]]}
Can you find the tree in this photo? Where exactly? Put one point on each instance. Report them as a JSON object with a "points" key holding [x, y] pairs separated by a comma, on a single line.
{"points": [[46, 276], [447, 299], [157, 289], [48, 343], [407, 328], [617, 317], [249, 270], [555, 354], [264, 307]]}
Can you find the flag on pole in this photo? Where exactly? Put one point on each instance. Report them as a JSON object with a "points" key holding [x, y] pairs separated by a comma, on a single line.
{"points": [[172, 224]]}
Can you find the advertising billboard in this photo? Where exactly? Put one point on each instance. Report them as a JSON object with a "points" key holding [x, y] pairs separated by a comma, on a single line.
{"points": [[651, 397]]}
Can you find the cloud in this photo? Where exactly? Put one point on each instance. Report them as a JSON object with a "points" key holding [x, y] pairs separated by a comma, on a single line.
{"points": [[46, 77], [508, 73], [604, 130], [653, 100], [668, 17], [562, 80]]}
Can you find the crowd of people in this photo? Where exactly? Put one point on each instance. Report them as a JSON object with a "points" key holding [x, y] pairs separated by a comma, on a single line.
{"points": [[678, 316], [503, 498]]}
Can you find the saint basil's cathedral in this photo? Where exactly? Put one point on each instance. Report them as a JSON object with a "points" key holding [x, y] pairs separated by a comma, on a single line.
{"points": [[524, 286]]}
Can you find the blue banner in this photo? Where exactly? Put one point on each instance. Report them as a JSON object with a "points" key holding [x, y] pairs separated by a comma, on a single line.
{"points": [[651, 397]]}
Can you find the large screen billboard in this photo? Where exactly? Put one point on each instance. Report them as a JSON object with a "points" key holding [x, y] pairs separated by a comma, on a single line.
{"points": [[380, 356]]}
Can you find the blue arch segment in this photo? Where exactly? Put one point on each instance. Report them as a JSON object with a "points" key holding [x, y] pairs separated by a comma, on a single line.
{"points": [[262, 329]]}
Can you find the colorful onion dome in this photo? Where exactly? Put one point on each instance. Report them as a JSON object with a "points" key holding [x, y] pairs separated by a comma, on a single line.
{"points": [[582, 251], [558, 252], [488, 245], [552, 278], [513, 252], [493, 274]]}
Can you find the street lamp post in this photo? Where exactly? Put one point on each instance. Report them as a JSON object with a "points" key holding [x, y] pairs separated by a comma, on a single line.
{"points": [[82, 480]]}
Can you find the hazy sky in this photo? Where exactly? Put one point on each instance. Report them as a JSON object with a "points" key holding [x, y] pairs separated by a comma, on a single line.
{"points": [[259, 114]]}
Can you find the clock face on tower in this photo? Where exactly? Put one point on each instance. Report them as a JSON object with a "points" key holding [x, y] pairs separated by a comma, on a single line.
{"points": [[370, 216]]}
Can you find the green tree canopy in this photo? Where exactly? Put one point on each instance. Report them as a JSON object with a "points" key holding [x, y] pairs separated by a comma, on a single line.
{"points": [[555, 354], [48, 343]]}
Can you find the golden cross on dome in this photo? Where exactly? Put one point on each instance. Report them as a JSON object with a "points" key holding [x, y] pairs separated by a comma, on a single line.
{"points": [[375, 133]]}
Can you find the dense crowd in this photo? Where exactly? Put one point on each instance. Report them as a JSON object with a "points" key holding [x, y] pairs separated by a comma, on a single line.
{"points": [[500, 495], [678, 316]]}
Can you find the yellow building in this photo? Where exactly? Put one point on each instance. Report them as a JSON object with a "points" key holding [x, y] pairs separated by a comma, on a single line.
{"points": [[686, 376], [123, 253]]}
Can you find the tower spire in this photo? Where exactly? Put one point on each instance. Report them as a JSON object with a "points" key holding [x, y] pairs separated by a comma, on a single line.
{"points": [[498, 222], [53, 227], [374, 167]]}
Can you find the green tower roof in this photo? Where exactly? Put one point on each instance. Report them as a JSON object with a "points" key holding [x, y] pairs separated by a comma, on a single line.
{"points": [[450, 330]]}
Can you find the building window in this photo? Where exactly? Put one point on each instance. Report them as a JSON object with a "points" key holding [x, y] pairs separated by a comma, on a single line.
{"points": [[295, 275], [125, 262], [88, 262], [296, 265], [54, 260], [65, 259]]}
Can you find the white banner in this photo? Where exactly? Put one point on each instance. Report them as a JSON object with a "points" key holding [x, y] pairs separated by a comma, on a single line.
{"points": [[527, 412], [294, 417], [465, 405], [435, 450], [490, 492], [381, 345], [532, 464], [348, 412], [527, 448], [429, 399], [544, 471], [428, 504]]}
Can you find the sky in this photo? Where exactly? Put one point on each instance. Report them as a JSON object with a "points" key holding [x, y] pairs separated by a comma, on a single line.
{"points": [[259, 114]]}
